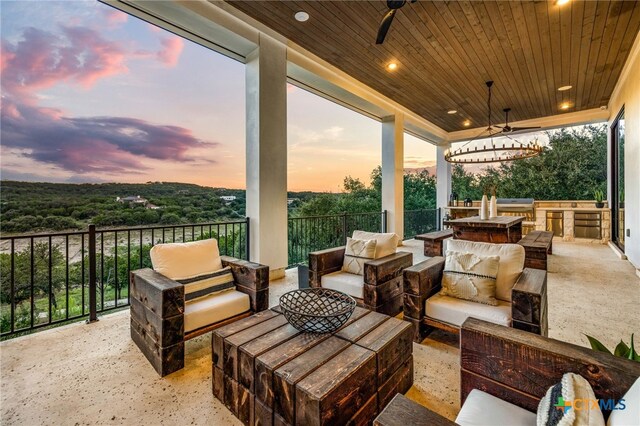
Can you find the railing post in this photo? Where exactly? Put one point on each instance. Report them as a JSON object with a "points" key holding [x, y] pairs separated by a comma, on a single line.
{"points": [[248, 243], [93, 308], [384, 221], [439, 218], [344, 227]]}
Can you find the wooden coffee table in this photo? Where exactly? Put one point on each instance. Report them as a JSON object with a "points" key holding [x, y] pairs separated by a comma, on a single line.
{"points": [[267, 372]]}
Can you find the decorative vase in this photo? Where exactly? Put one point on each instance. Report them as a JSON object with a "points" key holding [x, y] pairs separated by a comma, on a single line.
{"points": [[493, 207], [484, 208]]}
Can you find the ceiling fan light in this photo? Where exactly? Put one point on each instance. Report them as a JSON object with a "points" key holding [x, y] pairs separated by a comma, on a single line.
{"points": [[392, 66], [562, 2]]}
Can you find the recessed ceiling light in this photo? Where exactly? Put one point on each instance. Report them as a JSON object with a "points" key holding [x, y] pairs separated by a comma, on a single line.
{"points": [[561, 2], [452, 111], [563, 88], [565, 105], [392, 66], [301, 16], [466, 123]]}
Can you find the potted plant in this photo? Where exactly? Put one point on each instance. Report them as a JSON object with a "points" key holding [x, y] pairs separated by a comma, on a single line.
{"points": [[598, 194], [621, 350], [621, 199]]}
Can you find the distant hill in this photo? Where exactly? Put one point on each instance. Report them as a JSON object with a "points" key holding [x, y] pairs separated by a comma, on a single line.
{"points": [[44, 206], [430, 169]]}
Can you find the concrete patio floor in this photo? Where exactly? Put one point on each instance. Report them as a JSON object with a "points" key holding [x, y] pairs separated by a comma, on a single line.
{"points": [[93, 374]]}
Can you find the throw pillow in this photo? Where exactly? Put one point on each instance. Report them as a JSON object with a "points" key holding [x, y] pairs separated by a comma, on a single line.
{"points": [[569, 403], [356, 254], [470, 277], [386, 243], [207, 284]]}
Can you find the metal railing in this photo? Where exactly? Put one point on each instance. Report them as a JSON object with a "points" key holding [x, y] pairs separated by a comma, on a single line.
{"points": [[58, 277], [420, 222], [311, 233]]}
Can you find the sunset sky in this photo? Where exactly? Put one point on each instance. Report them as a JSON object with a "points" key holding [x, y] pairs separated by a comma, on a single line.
{"points": [[90, 94]]}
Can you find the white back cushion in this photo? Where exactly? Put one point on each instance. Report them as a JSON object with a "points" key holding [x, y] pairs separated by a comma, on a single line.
{"points": [[511, 261], [179, 261], [631, 413], [386, 243]]}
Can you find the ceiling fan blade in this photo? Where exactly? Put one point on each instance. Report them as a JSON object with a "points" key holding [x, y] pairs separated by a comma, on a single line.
{"points": [[385, 25], [498, 127], [519, 129]]}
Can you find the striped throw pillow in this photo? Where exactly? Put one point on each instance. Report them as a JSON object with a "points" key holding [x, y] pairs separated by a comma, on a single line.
{"points": [[207, 284]]}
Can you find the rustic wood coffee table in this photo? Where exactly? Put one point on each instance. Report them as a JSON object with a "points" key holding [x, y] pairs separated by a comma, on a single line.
{"points": [[267, 372]]}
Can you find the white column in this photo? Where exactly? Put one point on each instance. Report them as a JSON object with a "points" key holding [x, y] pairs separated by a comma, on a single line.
{"points": [[443, 178], [266, 87], [393, 172]]}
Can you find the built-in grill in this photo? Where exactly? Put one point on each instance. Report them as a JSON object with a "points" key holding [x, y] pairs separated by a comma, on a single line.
{"points": [[519, 207]]}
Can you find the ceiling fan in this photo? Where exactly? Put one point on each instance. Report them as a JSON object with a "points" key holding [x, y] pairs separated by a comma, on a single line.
{"points": [[393, 6], [508, 129]]}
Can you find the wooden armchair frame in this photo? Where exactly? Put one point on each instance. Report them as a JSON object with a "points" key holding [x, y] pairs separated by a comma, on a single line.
{"points": [[157, 311], [518, 368], [423, 280], [382, 277]]}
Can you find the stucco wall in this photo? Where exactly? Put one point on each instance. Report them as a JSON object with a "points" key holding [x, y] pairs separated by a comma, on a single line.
{"points": [[627, 94]]}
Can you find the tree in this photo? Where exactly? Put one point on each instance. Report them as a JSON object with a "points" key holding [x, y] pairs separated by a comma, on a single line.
{"points": [[22, 279], [570, 168]]}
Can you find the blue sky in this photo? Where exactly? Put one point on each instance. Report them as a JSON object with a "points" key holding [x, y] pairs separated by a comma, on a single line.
{"points": [[90, 94]]}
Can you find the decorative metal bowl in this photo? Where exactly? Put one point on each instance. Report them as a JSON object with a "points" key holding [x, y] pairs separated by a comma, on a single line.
{"points": [[317, 310]]}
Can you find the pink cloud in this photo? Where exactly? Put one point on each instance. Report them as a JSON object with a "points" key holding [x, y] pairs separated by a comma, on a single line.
{"points": [[42, 59], [111, 145], [154, 28], [93, 144], [171, 50], [115, 17]]}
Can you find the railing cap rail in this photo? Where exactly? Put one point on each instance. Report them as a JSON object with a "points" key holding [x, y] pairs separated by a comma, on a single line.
{"points": [[107, 229]]}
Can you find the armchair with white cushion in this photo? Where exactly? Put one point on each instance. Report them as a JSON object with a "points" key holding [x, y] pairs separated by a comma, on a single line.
{"points": [[520, 293], [190, 290], [511, 377], [377, 283]]}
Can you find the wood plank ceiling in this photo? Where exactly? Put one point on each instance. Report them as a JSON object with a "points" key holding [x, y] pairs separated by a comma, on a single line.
{"points": [[446, 50]]}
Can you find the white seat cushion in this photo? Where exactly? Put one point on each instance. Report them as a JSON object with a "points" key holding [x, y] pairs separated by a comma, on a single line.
{"points": [[210, 309], [631, 413], [351, 284], [455, 311], [386, 243], [509, 269], [179, 261], [482, 409]]}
